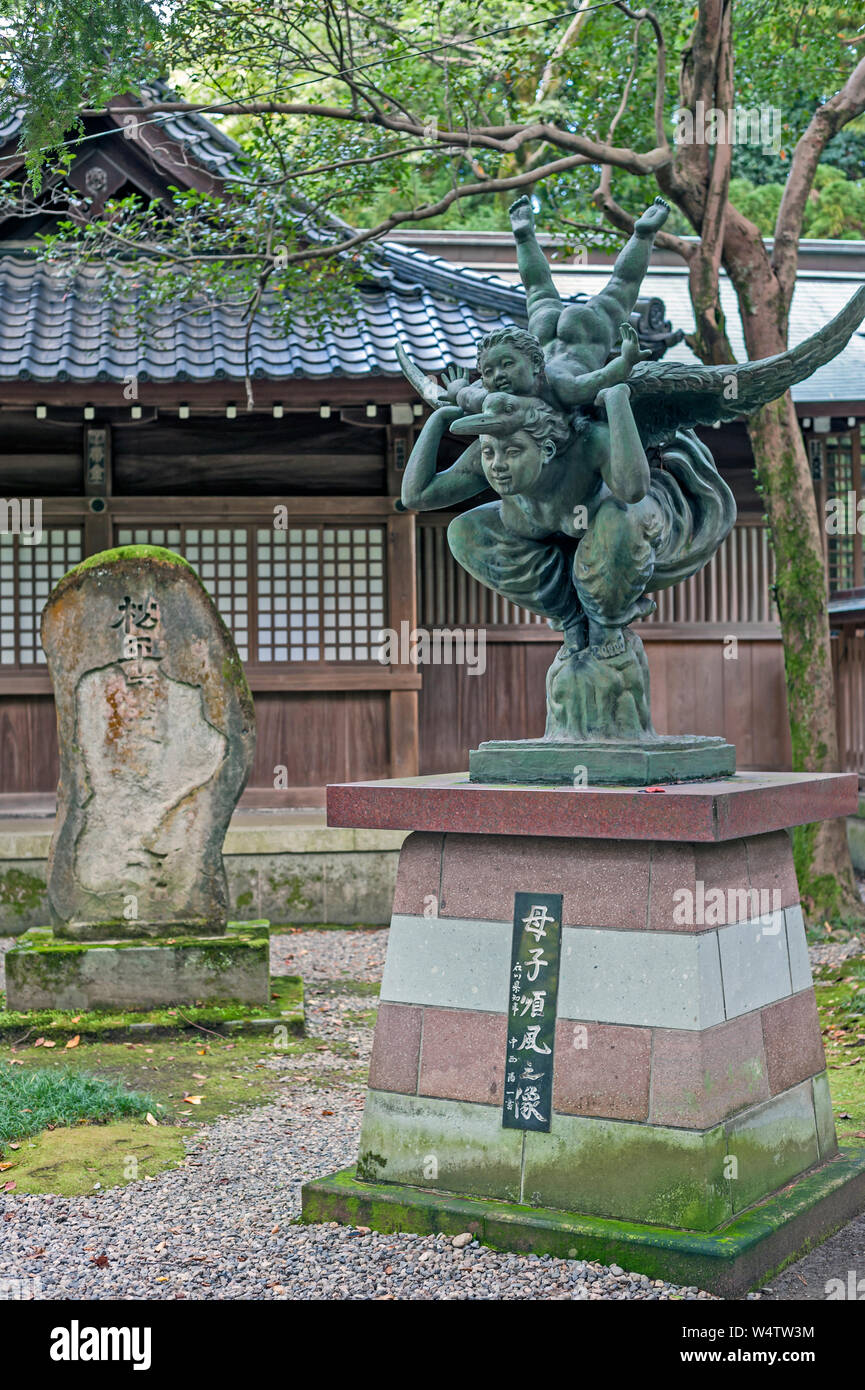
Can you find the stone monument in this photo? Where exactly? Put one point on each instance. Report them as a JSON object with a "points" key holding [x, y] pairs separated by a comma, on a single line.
{"points": [[598, 1034], [156, 731]]}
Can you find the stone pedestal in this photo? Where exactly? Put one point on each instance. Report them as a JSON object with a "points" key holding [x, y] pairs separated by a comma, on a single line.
{"points": [[689, 1081], [50, 974]]}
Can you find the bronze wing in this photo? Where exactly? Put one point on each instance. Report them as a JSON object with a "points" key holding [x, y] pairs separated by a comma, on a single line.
{"points": [[671, 396]]}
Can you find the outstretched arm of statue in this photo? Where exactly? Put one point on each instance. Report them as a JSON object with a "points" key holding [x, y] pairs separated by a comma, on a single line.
{"points": [[423, 489], [618, 297], [543, 300], [583, 390], [626, 468]]}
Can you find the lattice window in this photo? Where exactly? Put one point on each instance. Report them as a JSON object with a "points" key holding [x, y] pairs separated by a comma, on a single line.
{"points": [[841, 484], [28, 573], [219, 555], [313, 593], [353, 591]]}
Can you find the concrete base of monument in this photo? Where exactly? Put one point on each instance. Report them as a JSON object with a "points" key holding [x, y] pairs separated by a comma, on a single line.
{"points": [[741, 1255], [43, 973], [636, 763], [599, 1001]]}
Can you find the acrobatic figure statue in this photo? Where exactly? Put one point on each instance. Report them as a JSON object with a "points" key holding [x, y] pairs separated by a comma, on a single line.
{"points": [[605, 493]]}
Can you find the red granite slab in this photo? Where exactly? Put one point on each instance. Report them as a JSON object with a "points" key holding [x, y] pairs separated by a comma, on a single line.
{"points": [[463, 1055], [602, 1069], [751, 803], [603, 883], [794, 1043], [701, 1078], [396, 1048], [418, 880]]}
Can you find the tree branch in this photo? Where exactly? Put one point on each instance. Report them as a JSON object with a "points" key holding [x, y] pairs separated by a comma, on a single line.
{"points": [[827, 120]]}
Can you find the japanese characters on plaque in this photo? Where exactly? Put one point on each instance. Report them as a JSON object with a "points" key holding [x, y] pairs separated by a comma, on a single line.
{"points": [[534, 984], [140, 628]]}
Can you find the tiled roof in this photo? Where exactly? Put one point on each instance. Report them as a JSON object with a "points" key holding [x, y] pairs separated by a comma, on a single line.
{"points": [[50, 331]]}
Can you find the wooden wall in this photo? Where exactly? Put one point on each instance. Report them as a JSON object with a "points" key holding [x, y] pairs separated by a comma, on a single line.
{"points": [[694, 688], [28, 744]]}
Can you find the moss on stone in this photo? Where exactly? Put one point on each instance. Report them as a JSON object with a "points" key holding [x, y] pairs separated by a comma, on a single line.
{"points": [[286, 1006], [156, 553], [21, 892]]}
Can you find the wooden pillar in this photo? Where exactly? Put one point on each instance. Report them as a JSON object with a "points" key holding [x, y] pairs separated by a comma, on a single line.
{"points": [[402, 607], [97, 488]]}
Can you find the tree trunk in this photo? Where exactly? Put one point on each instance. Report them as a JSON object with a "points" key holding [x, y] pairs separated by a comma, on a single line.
{"points": [[826, 881]]}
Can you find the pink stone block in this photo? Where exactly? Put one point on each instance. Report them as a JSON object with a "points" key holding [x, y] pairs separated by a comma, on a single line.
{"points": [[770, 863], [418, 874], [698, 887], [700, 1078], [602, 1069], [794, 1045], [463, 1055], [604, 883], [671, 871], [396, 1049]]}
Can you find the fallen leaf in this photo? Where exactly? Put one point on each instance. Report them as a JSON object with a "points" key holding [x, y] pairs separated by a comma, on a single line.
{"points": [[73, 1042], [9, 1186], [199, 1076], [49, 1044], [4, 1166], [15, 1146], [192, 1100], [150, 1120], [76, 1019], [327, 1112], [40, 1042], [100, 1260]]}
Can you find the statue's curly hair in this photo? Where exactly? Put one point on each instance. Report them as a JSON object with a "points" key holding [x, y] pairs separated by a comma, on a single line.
{"points": [[543, 422], [520, 338]]}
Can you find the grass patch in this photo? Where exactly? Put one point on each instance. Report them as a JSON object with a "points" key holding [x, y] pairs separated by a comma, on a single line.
{"points": [[841, 1002], [71, 1162], [366, 989], [33, 1099]]}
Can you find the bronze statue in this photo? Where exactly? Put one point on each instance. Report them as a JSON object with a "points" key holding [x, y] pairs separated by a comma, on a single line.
{"points": [[606, 495]]}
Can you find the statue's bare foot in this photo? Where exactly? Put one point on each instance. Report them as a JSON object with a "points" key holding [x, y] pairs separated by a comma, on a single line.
{"points": [[652, 219], [522, 218]]}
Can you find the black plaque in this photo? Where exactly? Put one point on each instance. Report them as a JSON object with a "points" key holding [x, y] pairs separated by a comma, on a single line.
{"points": [[534, 987]]}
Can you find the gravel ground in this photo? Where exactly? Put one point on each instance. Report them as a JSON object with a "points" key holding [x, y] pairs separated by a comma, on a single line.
{"points": [[220, 1225], [329, 955], [836, 952]]}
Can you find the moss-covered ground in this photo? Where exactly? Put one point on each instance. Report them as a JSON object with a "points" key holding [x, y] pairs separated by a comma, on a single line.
{"points": [[841, 1001], [191, 1075], [286, 1003]]}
